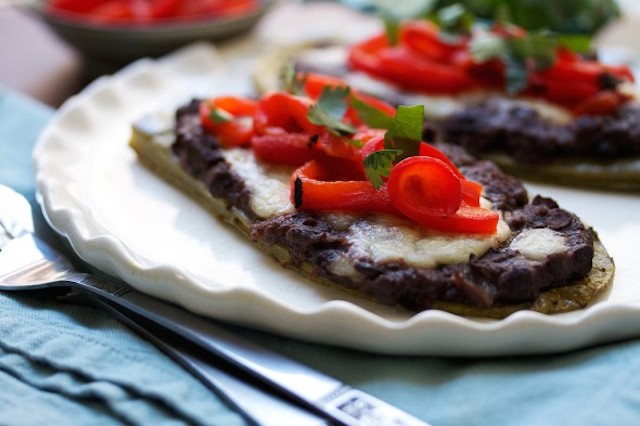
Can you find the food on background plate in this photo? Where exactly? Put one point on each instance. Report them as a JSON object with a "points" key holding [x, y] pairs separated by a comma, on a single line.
{"points": [[526, 100], [340, 187], [147, 12]]}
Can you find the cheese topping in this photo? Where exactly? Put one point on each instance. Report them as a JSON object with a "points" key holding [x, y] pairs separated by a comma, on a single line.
{"points": [[387, 238], [538, 244], [268, 183]]}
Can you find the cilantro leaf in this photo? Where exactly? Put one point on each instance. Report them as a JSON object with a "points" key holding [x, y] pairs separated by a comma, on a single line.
{"points": [[538, 47], [356, 143], [535, 51], [370, 115], [402, 140], [219, 116], [405, 131], [516, 75], [392, 29], [290, 82], [577, 42], [377, 165], [330, 109], [453, 21]]}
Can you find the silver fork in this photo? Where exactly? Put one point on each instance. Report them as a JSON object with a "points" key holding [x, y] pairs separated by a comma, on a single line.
{"points": [[28, 263]]}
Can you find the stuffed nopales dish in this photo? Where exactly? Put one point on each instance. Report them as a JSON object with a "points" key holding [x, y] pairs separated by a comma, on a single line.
{"points": [[340, 187]]}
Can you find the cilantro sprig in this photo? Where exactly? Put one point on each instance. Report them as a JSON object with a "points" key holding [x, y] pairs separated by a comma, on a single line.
{"points": [[402, 140], [534, 51], [289, 80], [454, 21], [219, 116], [330, 109]]}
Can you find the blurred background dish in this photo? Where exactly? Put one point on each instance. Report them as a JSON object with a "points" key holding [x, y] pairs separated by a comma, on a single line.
{"points": [[117, 32]]}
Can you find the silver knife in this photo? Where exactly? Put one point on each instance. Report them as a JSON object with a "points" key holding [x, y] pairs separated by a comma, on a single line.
{"points": [[320, 393], [256, 405]]}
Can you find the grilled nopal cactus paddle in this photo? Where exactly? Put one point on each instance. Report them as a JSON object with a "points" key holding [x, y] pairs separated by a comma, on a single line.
{"points": [[152, 139]]}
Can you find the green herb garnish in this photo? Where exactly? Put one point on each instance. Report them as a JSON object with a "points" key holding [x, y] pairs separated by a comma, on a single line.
{"points": [[377, 165], [536, 51], [405, 131], [454, 20], [370, 115], [402, 140], [219, 116], [330, 109], [290, 82]]}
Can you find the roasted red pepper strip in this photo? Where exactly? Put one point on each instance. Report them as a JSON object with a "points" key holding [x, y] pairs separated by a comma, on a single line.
{"points": [[401, 66], [292, 149], [282, 113], [229, 118], [603, 103], [423, 38], [427, 191], [314, 188]]}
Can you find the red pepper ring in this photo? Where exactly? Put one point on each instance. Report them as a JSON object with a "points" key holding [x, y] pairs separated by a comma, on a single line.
{"points": [[471, 191], [235, 127], [427, 191], [424, 185], [311, 189]]}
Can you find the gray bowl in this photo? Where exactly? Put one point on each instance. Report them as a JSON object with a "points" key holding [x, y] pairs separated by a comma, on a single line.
{"points": [[123, 44]]}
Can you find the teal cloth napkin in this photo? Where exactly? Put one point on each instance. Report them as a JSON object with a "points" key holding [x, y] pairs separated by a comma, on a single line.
{"points": [[62, 364], [73, 365]]}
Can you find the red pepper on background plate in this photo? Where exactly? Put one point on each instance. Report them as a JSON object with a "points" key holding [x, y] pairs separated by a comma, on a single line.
{"points": [[422, 61]]}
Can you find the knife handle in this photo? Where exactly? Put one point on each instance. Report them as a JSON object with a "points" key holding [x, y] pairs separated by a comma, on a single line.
{"points": [[257, 406], [271, 369]]}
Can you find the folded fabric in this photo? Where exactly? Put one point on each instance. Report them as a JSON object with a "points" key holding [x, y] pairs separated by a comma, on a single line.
{"points": [[63, 364]]}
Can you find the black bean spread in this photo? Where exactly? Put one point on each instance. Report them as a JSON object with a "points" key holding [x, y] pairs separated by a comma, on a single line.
{"points": [[520, 131], [499, 276]]}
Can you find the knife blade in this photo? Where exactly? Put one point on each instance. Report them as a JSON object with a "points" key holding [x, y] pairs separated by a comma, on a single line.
{"points": [[257, 406], [314, 390]]}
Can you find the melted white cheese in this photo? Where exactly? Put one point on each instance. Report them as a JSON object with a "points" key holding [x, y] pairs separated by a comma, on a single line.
{"points": [[269, 184], [538, 244], [386, 238]]}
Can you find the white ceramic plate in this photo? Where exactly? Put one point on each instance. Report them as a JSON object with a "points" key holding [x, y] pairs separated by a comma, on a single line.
{"points": [[124, 220]]}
